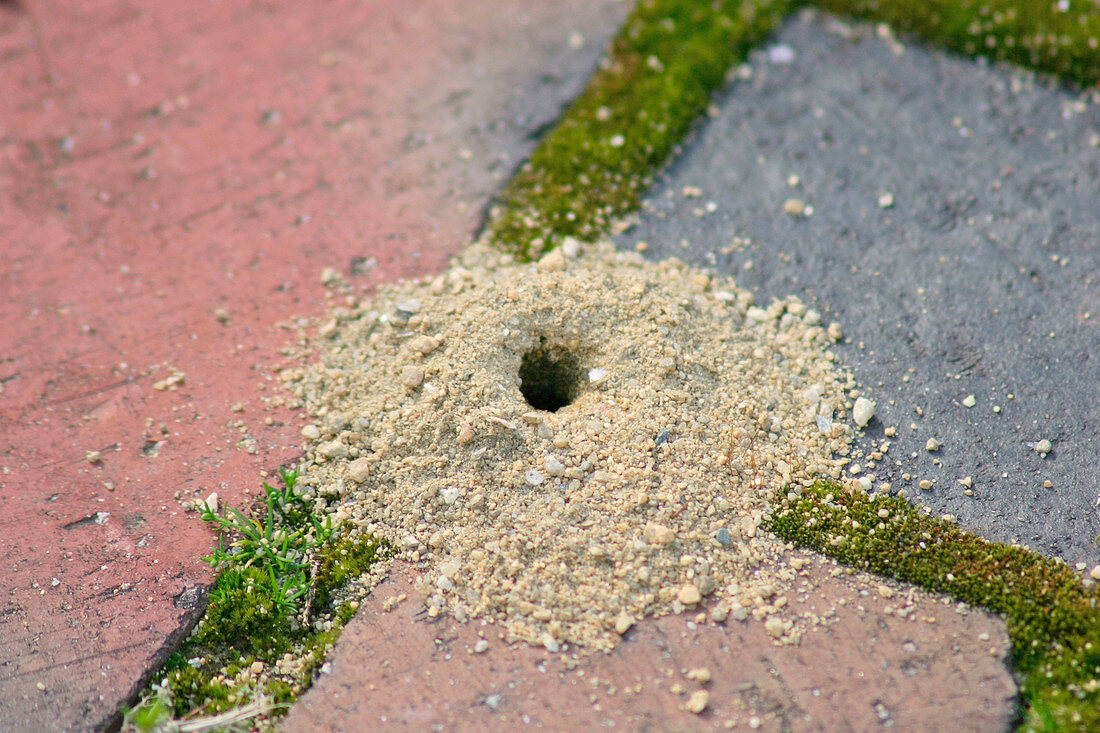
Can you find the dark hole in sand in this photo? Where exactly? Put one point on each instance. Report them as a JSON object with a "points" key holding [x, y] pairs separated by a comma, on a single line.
{"points": [[550, 377]]}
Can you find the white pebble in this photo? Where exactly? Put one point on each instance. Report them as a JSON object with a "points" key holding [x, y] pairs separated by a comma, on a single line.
{"points": [[863, 411], [359, 470], [334, 449], [1043, 447], [554, 467], [698, 701], [554, 261], [969, 401]]}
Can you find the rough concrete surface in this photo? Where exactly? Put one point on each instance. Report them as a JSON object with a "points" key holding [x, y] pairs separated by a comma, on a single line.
{"points": [[980, 275], [882, 657], [173, 179]]}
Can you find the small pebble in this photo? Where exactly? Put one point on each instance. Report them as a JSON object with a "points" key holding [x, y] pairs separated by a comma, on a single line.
{"points": [[700, 675], [1043, 447], [412, 376], [698, 701], [359, 470], [932, 445], [689, 595], [863, 411], [925, 485], [775, 626], [553, 466], [723, 537], [1095, 573], [424, 344], [408, 306], [623, 622], [481, 646], [658, 534], [257, 667], [794, 207], [554, 261], [969, 401]]}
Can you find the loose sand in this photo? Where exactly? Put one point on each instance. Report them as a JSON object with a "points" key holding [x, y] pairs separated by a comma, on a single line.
{"points": [[566, 447]]}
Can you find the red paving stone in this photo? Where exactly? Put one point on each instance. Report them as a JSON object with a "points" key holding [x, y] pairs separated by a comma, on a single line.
{"points": [[866, 668], [159, 162]]}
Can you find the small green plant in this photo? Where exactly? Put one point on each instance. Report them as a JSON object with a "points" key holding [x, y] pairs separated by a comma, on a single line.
{"points": [[279, 567], [278, 544]]}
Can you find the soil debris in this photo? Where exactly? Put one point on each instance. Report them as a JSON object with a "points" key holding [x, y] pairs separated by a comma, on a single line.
{"points": [[562, 506]]}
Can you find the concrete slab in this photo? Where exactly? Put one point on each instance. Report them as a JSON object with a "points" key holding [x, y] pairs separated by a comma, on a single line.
{"points": [[173, 179], [953, 234]]}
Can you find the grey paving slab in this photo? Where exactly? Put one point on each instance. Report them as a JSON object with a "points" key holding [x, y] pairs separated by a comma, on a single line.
{"points": [[981, 278]]}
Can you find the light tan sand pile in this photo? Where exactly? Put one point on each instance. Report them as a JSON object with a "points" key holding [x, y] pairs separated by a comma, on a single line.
{"points": [[688, 409]]}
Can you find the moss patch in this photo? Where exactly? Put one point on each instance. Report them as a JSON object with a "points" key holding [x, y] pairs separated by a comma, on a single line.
{"points": [[667, 59], [1052, 617], [270, 618], [1060, 38]]}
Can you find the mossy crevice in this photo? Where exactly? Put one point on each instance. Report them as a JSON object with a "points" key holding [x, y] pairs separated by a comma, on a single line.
{"points": [[1051, 614], [273, 613], [594, 166], [1058, 38]]}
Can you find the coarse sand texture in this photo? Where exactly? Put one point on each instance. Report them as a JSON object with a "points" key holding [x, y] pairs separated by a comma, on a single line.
{"points": [[567, 446]]}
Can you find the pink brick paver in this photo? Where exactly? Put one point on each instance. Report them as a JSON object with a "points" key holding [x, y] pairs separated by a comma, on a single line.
{"points": [[173, 178], [865, 667]]}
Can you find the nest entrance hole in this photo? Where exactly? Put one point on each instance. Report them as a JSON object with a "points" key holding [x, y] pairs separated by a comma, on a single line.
{"points": [[550, 377]]}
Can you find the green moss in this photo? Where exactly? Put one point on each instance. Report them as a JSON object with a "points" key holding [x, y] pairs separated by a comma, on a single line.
{"points": [[255, 607], [193, 689], [345, 560], [1051, 616], [241, 615], [594, 166], [1031, 33]]}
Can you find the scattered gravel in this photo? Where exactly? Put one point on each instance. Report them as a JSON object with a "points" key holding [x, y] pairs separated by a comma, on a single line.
{"points": [[471, 432]]}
